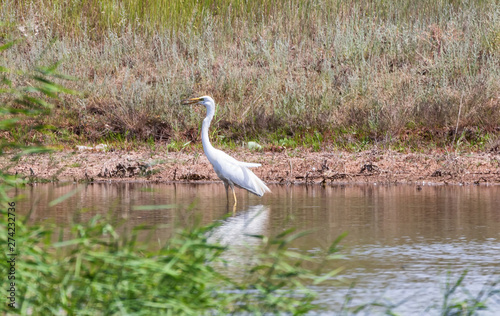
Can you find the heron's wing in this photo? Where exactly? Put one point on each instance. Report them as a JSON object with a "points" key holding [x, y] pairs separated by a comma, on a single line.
{"points": [[223, 155], [245, 178], [232, 170], [257, 186]]}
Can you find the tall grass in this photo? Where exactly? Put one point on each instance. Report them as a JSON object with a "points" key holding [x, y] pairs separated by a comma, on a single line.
{"points": [[351, 70]]}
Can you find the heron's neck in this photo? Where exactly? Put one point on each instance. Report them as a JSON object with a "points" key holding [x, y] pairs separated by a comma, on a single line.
{"points": [[204, 132]]}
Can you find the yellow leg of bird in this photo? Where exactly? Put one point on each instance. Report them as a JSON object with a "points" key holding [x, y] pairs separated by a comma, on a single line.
{"points": [[235, 200], [234, 194]]}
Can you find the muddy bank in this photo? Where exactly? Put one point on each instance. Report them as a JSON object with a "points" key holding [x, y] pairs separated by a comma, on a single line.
{"points": [[375, 166]]}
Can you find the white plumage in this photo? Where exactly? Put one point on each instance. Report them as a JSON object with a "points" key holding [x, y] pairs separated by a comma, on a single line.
{"points": [[231, 171]]}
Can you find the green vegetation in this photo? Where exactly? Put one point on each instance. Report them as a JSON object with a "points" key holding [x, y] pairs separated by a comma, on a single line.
{"points": [[357, 73], [25, 101], [97, 270]]}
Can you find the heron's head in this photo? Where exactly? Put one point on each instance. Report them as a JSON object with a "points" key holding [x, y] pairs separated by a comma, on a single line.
{"points": [[205, 100]]}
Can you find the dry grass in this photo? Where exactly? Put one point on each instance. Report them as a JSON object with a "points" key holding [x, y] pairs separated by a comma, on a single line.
{"points": [[354, 71]]}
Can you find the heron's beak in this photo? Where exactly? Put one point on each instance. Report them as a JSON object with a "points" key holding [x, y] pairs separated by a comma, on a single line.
{"points": [[191, 101]]}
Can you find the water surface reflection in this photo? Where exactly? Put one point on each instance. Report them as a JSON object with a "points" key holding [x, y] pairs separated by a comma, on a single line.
{"points": [[401, 241]]}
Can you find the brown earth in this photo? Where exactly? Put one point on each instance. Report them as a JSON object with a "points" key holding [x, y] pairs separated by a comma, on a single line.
{"points": [[298, 166]]}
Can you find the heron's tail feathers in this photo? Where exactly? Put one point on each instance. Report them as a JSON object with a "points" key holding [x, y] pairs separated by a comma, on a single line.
{"points": [[258, 186], [249, 164], [251, 182]]}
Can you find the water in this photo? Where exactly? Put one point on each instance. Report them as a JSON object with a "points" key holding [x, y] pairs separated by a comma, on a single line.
{"points": [[402, 242]]}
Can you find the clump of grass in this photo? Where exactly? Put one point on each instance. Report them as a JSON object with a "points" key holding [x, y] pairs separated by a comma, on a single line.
{"points": [[453, 304]]}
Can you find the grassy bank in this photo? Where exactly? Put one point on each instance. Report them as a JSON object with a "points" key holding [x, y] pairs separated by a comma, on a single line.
{"points": [[401, 74]]}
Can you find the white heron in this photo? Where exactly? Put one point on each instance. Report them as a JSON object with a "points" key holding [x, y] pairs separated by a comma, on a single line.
{"points": [[231, 171]]}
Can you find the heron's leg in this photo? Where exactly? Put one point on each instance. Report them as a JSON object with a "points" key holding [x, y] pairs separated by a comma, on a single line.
{"points": [[234, 194], [235, 200]]}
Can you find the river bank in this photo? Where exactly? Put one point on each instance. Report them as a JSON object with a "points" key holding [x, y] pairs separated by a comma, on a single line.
{"points": [[286, 167]]}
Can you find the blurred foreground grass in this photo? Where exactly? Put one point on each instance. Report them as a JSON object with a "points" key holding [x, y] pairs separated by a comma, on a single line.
{"points": [[96, 271]]}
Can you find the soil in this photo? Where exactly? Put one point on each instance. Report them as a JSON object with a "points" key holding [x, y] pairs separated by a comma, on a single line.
{"points": [[285, 167]]}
